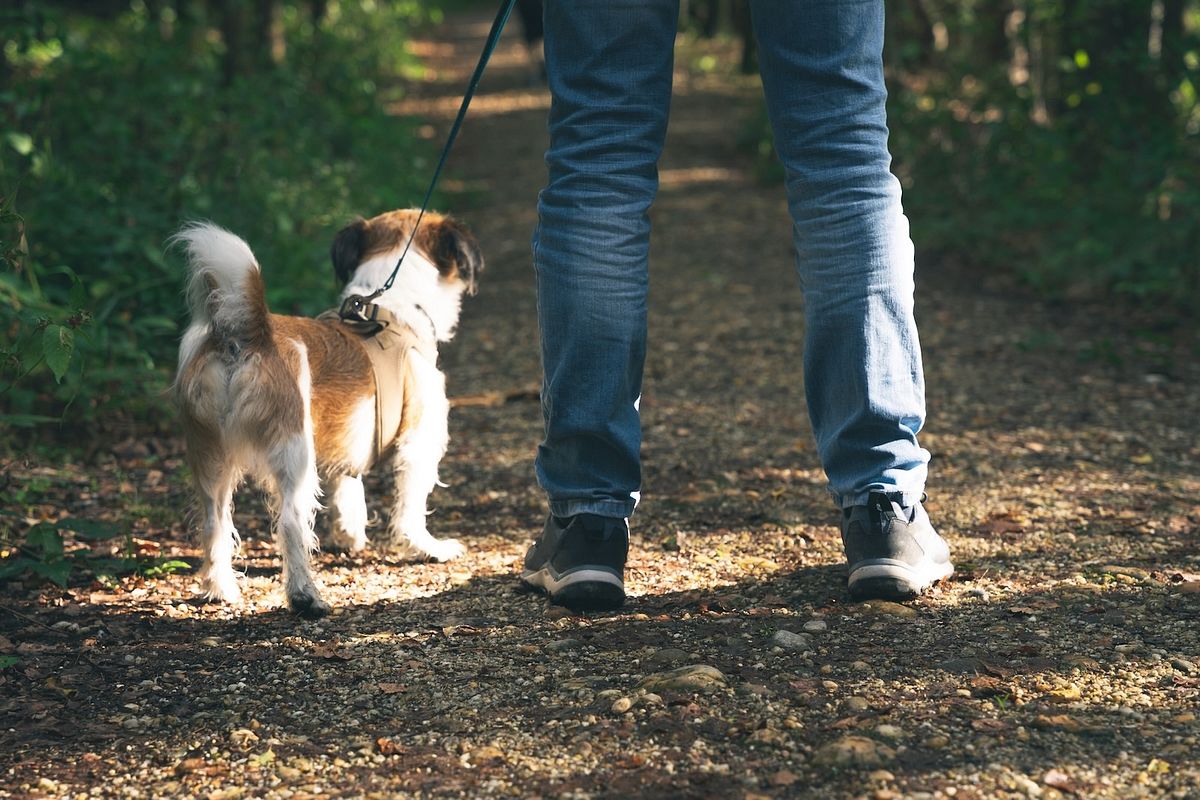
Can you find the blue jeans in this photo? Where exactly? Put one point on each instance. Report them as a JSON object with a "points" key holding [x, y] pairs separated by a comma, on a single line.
{"points": [[609, 66]]}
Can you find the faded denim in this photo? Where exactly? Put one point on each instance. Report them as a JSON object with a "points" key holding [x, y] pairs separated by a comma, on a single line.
{"points": [[609, 67]]}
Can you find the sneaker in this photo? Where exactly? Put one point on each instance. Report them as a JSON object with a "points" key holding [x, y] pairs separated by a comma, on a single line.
{"points": [[893, 552], [580, 561]]}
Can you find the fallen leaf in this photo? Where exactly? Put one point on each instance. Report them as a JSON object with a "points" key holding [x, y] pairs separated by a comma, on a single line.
{"points": [[989, 725], [1057, 779], [1057, 721], [783, 778], [243, 738], [388, 747], [189, 765], [392, 688], [330, 650]]}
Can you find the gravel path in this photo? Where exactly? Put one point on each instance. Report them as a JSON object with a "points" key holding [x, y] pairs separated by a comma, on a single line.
{"points": [[1062, 660]]}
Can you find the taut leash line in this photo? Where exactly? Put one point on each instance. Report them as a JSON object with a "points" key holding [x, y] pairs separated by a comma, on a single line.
{"points": [[359, 308]]}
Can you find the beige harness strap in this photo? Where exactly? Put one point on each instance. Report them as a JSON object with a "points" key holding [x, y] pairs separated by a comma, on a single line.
{"points": [[388, 348]]}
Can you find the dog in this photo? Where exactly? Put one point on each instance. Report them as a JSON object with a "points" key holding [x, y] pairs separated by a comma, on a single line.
{"points": [[294, 402]]}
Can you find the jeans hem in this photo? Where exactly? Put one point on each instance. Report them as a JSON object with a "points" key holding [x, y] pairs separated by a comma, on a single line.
{"points": [[601, 508], [905, 499]]}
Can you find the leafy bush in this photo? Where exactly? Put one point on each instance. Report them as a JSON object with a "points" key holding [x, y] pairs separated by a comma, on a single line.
{"points": [[45, 553], [115, 131], [1049, 140]]}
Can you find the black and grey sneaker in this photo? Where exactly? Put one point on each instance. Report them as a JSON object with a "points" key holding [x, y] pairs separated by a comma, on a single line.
{"points": [[893, 552], [580, 561]]}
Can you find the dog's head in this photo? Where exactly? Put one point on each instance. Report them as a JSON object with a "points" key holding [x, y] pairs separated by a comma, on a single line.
{"points": [[441, 240]]}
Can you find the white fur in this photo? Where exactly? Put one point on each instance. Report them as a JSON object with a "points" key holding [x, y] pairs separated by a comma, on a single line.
{"points": [[416, 466], [427, 304], [218, 263], [349, 503], [294, 470], [418, 283]]}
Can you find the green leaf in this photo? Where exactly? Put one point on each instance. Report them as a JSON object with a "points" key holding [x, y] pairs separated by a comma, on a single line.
{"points": [[45, 538], [21, 142], [9, 661], [12, 567], [25, 420], [169, 567], [90, 529], [58, 343], [57, 570]]}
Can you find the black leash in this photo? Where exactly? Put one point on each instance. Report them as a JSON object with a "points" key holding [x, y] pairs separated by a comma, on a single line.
{"points": [[357, 308]]}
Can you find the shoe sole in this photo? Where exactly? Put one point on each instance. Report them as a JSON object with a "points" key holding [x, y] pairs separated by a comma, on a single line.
{"points": [[582, 589], [894, 580]]}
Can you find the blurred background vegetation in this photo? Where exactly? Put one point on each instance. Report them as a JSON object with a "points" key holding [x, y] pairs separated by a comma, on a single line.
{"points": [[1057, 141], [1054, 140], [120, 119]]}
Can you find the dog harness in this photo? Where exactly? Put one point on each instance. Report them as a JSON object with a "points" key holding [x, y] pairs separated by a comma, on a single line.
{"points": [[387, 342]]}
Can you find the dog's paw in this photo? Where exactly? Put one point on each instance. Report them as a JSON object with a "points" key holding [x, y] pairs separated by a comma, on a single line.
{"points": [[442, 549], [341, 542], [221, 587], [308, 604]]}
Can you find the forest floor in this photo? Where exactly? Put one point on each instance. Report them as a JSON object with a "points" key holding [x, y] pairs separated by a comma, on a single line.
{"points": [[1062, 659]]}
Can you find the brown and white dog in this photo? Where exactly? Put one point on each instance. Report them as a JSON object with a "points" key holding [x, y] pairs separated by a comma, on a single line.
{"points": [[293, 401]]}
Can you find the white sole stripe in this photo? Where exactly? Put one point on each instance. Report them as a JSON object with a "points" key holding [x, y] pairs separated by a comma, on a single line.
{"points": [[546, 579]]}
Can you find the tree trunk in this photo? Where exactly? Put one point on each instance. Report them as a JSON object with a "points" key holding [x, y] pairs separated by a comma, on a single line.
{"points": [[231, 21]]}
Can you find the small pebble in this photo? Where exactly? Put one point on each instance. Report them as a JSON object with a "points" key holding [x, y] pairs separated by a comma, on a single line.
{"points": [[856, 705], [890, 731], [621, 705], [816, 626]]}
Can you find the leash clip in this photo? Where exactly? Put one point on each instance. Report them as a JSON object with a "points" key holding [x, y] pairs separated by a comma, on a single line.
{"points": [[356, 308], [361, 315]]}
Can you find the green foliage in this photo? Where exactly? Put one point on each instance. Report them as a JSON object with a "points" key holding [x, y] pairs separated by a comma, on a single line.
{"points": [[44, 554], [115, 131], [1049, 140]]}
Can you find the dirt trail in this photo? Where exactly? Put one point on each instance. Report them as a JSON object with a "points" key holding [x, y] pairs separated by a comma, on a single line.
{"points": [[1063, 659]]}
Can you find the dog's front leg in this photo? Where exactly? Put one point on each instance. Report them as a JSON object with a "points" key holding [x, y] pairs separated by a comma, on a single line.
{"points": [[349, 514], [416, 467]]}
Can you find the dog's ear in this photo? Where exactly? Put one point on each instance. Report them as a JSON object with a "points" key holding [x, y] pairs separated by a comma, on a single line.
{"points": [[455, 251], [349, 247]]}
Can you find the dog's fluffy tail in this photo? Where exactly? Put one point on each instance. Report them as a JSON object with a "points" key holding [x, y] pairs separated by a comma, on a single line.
{"points": [[225, 289]]}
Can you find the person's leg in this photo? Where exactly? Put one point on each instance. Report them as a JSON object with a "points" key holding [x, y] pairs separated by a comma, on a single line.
{"points": [[608, 65], [822, 69]]}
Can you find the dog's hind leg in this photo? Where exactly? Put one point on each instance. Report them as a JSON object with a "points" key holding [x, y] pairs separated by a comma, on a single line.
{"points": [[349, 503], [215, 484], [296, 488], [416, 467]]}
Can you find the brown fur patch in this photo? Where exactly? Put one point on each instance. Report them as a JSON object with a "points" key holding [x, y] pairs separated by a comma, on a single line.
{"points": [[341, 379]]}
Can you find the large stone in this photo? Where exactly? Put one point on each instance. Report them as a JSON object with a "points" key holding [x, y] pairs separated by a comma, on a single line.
{"points": [[789, 640], [692, 678], [853, 751]]}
